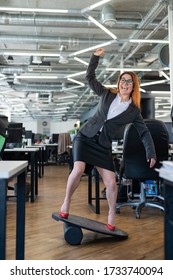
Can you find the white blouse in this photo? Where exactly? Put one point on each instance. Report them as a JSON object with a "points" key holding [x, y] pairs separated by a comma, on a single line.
{"points": [[117, 107]]}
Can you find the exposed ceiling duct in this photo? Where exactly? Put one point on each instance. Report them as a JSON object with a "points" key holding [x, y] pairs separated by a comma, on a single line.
{"points": [[63, 55], [37, 60], [43, 20], [108, 15], [44, 46], [164, 55]]}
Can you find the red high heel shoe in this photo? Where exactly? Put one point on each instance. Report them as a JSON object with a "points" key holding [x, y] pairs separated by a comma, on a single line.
{"points": [[64, 215], [110, 227]]}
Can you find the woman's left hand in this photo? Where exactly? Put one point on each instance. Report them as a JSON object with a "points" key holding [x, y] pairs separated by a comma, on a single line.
{"points": [[152, 162]]}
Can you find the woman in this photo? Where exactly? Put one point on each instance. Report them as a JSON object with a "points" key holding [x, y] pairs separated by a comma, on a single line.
{"points": [[93, 143]]}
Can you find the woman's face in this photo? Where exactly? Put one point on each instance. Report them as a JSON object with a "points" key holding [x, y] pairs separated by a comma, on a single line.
{"points": [[125, 86]]}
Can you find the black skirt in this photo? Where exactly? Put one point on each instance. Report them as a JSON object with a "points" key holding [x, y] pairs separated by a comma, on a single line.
{"points": [[89, 150]]}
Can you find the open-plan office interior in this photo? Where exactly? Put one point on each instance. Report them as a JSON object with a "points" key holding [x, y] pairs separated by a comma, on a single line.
{"points": [[45, 49]]}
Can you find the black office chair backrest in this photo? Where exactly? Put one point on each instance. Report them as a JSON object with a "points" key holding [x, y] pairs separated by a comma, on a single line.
{"points": [[134, 156]]}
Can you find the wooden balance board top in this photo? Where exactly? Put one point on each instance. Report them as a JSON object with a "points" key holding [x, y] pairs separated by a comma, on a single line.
{"points": [[91, 225]]}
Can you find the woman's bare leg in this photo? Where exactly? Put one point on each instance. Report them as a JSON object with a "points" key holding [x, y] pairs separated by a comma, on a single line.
{"points": [[72, 184], [109, 181]]}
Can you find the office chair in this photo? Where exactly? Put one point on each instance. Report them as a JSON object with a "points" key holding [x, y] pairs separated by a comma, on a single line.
{"points": [[64, 142], [134, 165]]}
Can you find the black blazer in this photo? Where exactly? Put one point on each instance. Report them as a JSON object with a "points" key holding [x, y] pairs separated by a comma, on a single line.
{"points": [[113, 129]]}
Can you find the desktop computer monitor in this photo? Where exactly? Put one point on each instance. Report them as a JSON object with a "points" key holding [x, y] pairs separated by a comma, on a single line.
{"points": [[14, 135], [37, 137], [55, 138], [15, 125], [28, 134]]}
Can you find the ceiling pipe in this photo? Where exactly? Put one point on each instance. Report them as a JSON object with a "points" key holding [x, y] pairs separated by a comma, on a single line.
{"points": [[44, 20], [12, 70], [151, 15], [39, 20], [43, 39]]}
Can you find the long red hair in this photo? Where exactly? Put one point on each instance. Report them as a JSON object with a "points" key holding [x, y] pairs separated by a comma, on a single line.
{"points": [[135, 94]]}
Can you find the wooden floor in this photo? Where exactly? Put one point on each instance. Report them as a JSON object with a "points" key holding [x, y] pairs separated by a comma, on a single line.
{"points": [[44, 239]]}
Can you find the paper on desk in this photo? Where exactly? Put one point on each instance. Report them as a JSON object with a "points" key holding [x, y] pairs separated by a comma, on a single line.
{"points": [[167, 165], [166, 171]]}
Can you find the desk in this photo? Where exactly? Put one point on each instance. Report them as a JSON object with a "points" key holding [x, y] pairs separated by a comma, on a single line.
{"points": [[9, 170], [167, 176], [19, 154]]}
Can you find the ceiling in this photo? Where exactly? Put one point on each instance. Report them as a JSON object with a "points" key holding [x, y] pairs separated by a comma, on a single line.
{"points": [[42, 76]]}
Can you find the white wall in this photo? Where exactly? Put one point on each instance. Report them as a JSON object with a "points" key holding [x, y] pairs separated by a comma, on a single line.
{"points": [[30, 125], [50, 128], [61, 127]]}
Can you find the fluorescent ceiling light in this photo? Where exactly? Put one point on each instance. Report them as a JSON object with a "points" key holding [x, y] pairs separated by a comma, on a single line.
{"points": [[162, 111], [75, 81], [165, 68], [167, 106], [81, 60], [37, 77], [143, 90], [130, 69], [93, 48], [76, 74], [63, 103], [63, 108], [110, 86], [36, 10], [164, 75], [149, 41], [95, 5], [2, 77], [102, 27], [31, 53], [113, 86], [153, 83], [162, 92]]}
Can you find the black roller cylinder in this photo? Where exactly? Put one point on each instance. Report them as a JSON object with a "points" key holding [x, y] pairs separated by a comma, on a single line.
{"points": [[72, 235]]}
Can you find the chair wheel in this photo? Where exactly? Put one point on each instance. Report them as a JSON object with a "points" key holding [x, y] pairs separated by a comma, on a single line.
{"points": [[117, 210], [137, 215]]}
